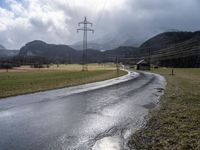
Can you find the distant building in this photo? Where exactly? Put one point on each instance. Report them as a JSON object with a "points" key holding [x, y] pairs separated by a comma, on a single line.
{"points": [[142, 65]]}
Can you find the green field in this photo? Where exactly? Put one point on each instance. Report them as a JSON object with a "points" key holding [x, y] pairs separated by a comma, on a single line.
{"points": [[176, 125], [22, 81]]}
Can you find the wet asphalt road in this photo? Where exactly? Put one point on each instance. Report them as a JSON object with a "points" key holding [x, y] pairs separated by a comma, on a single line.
{"points": [[78, 117]]}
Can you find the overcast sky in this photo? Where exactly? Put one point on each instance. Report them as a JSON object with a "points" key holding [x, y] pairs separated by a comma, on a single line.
{"points": [[55, 21]]}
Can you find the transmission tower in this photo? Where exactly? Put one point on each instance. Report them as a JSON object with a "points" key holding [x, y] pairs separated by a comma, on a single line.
{"points": [[85, 29]]}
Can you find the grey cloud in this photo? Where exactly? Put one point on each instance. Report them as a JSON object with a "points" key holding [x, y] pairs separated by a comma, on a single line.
{"points": [[148, 17], [41, 25], [134, 19]]}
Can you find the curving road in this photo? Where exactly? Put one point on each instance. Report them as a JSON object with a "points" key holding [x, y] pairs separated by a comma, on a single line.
{"points": [[93, 116]]}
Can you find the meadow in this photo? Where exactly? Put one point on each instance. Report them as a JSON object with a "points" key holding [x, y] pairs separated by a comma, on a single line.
{"points": [[25, 80]]}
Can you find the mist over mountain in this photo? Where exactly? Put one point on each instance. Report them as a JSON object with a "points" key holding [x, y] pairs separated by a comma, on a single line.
{"points": [[109, 42], [79, 46], [4, 53], [2, 47]]}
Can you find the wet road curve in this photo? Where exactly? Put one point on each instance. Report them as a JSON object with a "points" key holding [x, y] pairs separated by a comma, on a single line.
{"points": [[78, 117]]}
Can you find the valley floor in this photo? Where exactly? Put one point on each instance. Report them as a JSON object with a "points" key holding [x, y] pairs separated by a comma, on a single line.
{"points": [[176, 125], [26, 80]]}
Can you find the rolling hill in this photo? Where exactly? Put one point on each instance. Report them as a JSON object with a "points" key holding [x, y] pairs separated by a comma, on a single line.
{"points": [[49, 51]]}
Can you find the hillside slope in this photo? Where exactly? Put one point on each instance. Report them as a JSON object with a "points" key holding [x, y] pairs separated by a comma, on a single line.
{"points": [[167, 39], [49, 51]]}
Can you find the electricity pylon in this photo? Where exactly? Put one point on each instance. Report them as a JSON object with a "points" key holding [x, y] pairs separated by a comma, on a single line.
{"points": [[85, 29]]}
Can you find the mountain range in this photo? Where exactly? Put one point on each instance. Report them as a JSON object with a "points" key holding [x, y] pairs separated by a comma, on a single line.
{"points": [[168, 42]]}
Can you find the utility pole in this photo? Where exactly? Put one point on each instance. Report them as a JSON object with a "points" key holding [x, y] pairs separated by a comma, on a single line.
{"points": [[149, 58], [85, 29], [117, 65]]}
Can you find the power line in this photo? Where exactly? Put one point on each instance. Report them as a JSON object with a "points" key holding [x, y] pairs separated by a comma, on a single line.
{"points": [[72, 10], [101, 14], [96, 10], [85, 29], [75, 8]]}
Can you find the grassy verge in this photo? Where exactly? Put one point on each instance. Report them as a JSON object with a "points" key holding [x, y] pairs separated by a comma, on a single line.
{"points": [[176, 126], [15, 83]]}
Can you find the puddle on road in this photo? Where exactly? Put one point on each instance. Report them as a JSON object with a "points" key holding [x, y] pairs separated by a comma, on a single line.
{"points": [[109, 143], [149, 105]]}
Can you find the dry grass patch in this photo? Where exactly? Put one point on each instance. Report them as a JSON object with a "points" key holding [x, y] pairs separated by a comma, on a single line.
{"points": [[15, 83], [176, 126]]}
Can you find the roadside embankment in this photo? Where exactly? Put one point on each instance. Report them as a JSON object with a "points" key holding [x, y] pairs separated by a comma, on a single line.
{"points": [[176, 125]]}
